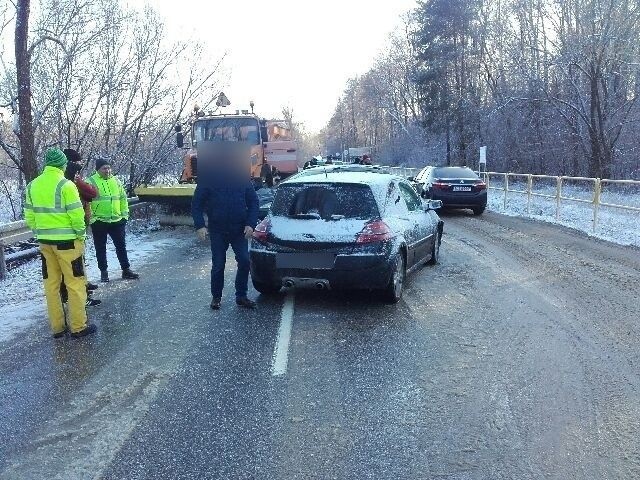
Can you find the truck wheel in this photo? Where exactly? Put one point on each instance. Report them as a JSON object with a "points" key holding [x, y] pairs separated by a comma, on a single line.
{"points": [[265, 288], [267, 176]]}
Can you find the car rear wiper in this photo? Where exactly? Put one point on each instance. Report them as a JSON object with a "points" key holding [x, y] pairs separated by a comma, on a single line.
{"points": [[306, 216]]}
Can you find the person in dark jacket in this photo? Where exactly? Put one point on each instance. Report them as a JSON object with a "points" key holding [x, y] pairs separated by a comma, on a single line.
{"points": [[87, 193], [231, 204]]}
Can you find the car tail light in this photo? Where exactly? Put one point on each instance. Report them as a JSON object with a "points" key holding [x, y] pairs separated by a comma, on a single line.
{"points": [[440, 186], [376, 231], [480, 185], [261, 232]]}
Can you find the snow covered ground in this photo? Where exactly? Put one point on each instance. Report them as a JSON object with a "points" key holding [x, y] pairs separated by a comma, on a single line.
{"points": [[613, 224], [22, 301]]}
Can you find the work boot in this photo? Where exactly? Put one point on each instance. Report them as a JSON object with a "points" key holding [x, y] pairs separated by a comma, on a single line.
{"points": [[104, 276], [93, 302], [92, 286], [60, 334], [129, 274], [215, 304], [88, 330], [244, 302]]}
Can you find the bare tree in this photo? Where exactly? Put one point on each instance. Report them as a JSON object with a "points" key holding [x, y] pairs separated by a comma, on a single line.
{"points": [[105, 80], [23, 79]]}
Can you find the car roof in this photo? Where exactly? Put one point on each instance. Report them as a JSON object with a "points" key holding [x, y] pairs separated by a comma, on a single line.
{"points": [[453, 167], [368, 176]]}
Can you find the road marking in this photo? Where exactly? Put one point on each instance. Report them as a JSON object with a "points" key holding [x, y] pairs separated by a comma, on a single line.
{"points": [[281, 352]]}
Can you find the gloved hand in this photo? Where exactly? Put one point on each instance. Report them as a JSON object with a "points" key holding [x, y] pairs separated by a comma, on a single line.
{"points": [[202, 233], [248, 232]]}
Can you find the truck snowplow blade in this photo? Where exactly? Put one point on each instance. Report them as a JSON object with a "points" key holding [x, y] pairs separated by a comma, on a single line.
{"points": [[178, 196], [177, 199]]}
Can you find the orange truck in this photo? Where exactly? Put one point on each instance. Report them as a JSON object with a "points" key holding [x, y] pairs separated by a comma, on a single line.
{"points": [[273, 152]]}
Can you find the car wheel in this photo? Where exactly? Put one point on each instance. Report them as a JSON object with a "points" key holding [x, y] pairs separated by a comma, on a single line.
{"points": [[435, 250], [478, 210], [393, 292], [265, 288]]}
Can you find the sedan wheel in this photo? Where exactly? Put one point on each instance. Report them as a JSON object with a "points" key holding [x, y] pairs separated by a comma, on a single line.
{"points": [[393, 292]]}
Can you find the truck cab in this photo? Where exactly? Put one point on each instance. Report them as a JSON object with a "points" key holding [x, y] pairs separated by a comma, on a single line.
{"points": [[271, 150], [226, 128]]}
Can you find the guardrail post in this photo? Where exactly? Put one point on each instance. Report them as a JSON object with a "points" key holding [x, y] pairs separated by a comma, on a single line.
{"points": [[506, 189], [558, 196], [597, 190], [3, 263], [529, 186]]}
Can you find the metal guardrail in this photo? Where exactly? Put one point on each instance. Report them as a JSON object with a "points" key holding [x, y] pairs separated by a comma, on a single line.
{"points": [[559, 196], [15, 232]]}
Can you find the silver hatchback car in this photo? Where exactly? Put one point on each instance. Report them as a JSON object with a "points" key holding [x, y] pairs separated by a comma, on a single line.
{"points": [[360, 229]]}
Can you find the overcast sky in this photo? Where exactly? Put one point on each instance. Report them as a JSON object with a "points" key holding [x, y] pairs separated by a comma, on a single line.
{"points": [[287, 52]]}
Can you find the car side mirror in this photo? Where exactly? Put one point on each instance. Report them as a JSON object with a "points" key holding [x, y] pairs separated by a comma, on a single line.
{"points": [[179, 136], [433, 205]]}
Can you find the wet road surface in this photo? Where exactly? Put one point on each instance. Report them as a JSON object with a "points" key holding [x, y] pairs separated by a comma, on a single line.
{"points": [[515, 357]]}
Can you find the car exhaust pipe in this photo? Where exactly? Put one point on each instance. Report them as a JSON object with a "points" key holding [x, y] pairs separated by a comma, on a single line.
{"points": [[289, 284], [321, 285]]}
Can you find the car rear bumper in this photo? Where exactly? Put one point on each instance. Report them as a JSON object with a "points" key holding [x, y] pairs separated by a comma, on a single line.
{"points": [[366, 272], [461, 200]]}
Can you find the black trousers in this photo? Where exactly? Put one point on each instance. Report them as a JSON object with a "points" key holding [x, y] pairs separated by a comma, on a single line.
{"points": [[100, 231]]}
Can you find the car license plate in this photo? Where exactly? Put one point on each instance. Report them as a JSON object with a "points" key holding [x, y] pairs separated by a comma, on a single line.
{"points": [[458, 188], [305, 260]]}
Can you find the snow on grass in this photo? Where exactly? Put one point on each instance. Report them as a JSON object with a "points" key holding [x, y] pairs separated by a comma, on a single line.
{"points": [[22, 302], [613, 224]]}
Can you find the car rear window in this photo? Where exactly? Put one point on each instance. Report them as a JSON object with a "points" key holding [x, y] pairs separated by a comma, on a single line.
{"points": [[324, 201], [452, 172]]}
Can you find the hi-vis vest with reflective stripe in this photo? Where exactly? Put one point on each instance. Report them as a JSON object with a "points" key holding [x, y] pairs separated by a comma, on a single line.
{"points": [[111, 203], [52, 207]]}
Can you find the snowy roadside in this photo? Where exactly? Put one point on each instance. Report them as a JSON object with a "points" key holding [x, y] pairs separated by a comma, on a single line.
{"points": [[614, 225], [22, 302]]}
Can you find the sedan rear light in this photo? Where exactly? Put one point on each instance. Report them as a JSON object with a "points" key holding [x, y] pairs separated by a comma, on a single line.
{"points": [[480, 185], [376, 231], [261, 232], [440, 186]]}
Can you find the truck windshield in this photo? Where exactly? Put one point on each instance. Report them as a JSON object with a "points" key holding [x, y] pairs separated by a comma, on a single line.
{"points": [[227, 130]]}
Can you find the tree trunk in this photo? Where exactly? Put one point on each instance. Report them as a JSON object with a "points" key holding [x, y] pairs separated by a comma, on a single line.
{"points": [[23, 77], [448, 128], [597, 147]]}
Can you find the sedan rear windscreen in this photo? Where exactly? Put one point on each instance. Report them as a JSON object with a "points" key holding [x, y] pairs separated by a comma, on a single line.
{"points": [[452, 172], [326, 201]]}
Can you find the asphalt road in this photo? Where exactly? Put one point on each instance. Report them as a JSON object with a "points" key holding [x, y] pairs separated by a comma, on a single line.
{"points": [[517, 357]]}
